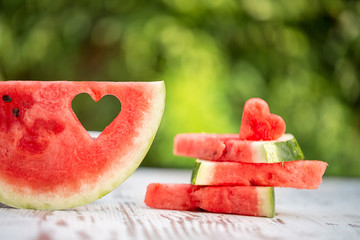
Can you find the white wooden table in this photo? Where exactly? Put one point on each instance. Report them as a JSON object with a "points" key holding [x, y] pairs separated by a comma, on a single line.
{"points": [[331, 212]]}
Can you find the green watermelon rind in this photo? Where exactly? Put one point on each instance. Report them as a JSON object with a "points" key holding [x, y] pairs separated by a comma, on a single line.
{"points": [[195, 172], [281, 151], [266, 195], [107, 183]]}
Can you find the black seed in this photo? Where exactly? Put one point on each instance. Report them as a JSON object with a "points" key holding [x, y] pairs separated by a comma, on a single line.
{"points": [[15, 111], [6, 98]]}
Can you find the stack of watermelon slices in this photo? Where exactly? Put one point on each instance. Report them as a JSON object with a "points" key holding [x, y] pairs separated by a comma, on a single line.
{"points": [[237, 173]]}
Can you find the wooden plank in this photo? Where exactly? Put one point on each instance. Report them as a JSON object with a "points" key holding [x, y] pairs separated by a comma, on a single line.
{"points": [[331, 212]]}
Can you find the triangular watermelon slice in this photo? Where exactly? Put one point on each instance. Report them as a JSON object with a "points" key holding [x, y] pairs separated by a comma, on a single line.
{"points": [[47, 158]]}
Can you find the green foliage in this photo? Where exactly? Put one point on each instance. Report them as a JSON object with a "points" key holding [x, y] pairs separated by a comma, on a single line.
{"points": [[302, 57]]}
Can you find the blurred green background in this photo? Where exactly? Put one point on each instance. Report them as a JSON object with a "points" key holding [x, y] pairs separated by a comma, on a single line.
{"points": [[302, 57]]}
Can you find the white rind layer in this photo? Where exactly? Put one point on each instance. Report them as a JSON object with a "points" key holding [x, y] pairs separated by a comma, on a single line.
{"points": [[266, 201], [205, 171]]}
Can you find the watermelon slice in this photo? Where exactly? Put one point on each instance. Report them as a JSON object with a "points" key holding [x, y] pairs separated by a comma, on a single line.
{"points": [[48, 159], [258, 123], [229, 147], [252, 201], [302, 174]]}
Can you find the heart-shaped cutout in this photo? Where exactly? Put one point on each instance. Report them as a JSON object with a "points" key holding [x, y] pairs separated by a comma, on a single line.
{"points": [[258, 123], [95, 116]]}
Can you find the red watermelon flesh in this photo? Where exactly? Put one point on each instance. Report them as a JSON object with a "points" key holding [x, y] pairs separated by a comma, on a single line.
{"points": [[302, 174], [258, 123], [252, 201], [202, 145], [49, 161]]}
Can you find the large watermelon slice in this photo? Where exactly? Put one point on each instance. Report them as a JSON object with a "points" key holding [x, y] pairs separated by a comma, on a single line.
{"points": [[253, 201], [229, 147], [258, 123], [302, 174], [47, 158]]}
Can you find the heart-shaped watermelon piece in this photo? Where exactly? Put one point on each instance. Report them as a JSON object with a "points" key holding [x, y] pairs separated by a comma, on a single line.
{"points": [[258, 123]]}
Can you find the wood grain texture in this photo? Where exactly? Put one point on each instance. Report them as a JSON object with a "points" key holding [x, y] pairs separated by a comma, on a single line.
{"points": [[331, 212]]}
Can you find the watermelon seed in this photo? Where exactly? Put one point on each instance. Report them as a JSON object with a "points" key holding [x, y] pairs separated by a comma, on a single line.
{"points": [[15, 111], [6, 98]]}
